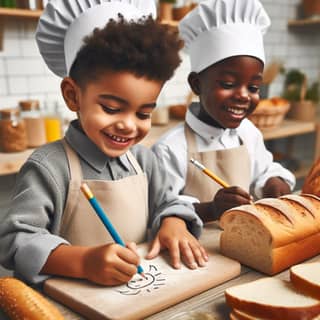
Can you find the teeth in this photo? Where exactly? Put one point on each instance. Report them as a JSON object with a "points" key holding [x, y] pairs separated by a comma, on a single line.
{"points": [[118, 139], [236, 111]]}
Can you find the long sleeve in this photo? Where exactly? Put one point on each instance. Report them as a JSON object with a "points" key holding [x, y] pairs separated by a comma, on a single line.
{"points": [[29, 229]]}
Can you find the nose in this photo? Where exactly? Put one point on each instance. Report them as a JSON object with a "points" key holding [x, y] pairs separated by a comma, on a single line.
{"points": [[242, 94], [126, 124]]}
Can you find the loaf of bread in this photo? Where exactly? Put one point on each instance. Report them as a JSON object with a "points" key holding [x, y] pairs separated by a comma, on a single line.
{"points": [[312, 181], [272, 234], [19, 301], [273, 299]]}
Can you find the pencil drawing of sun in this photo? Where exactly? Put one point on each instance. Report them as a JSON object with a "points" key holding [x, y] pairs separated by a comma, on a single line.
{"points": [[153, 280]]}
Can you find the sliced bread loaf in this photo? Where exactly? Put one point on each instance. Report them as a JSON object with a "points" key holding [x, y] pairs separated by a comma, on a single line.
{"points": [[273, 299], [306, 278], [272, 234], [240, 315]]}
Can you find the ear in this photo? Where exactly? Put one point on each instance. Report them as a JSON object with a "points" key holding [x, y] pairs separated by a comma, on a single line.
{"points": [[70, 92], [194, 83]]}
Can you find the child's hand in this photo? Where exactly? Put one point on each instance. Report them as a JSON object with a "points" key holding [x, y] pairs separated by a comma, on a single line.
{"points": [[227, 198], [275, 187], [110, 264], [182, 245]]}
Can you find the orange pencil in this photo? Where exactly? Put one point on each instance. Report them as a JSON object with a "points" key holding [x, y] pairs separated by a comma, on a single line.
{"points": [[212, 175], [209, 173]]}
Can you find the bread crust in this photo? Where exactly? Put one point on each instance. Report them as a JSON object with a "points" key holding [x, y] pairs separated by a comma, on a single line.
{"points": [[312, 181], [269, 311], [303, 284], [290, 223], [20, 301]]}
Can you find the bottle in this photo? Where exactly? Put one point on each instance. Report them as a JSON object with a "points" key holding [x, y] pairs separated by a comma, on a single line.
{"points": [[53, 125], [36, 132], [13, 133]]}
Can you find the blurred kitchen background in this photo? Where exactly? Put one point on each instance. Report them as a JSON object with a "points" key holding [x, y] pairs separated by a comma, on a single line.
{"points": [[292, 44]]}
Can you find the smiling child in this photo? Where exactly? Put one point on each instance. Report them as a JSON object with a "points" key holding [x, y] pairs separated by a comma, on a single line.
{"points": [[224, 39], [114, 59]]}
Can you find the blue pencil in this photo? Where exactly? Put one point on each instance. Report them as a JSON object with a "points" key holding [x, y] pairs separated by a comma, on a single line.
{"points": [[105, 220]]}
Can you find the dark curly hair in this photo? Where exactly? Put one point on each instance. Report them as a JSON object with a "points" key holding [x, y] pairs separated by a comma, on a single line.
{"points": [[146, 48]]}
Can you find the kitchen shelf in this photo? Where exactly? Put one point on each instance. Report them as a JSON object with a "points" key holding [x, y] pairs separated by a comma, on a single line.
{"points": [[173, 23], [302, 23], [8, 13], [35, 14], [20, 13], [11, 162]]}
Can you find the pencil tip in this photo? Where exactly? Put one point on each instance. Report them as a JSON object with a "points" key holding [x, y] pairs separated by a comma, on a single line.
{"points": [[192, 160], [143, 275]]}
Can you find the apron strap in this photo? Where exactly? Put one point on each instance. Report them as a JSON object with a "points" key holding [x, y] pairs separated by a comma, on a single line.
{"points": [[74, 163], [134, 162]]}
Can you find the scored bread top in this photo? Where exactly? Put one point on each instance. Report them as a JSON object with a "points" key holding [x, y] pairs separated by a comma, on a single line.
{"points": [[287, 219]]}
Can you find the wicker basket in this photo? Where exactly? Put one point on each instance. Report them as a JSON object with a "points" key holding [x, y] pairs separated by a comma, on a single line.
{"points": [[269, 116]]}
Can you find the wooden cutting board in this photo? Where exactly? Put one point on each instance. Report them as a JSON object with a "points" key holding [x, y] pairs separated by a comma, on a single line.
{"points": [[162, 288]]}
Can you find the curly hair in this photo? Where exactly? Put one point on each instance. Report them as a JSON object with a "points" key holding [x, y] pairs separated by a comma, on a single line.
{"points": [[146, 48]]}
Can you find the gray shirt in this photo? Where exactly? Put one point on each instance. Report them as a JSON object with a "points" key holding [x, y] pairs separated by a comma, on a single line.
{"points": [[30, 228]]}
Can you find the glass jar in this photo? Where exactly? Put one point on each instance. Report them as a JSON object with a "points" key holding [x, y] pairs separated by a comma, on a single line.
{"points": [[13, 134], [53, 123], [35, 126]]}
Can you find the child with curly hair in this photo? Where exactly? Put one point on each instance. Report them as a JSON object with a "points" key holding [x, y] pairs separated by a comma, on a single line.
{"points": [[114, 59]]}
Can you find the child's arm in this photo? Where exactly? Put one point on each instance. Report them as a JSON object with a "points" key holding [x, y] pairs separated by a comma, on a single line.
{"points": [[182, 245], [109, 264]]}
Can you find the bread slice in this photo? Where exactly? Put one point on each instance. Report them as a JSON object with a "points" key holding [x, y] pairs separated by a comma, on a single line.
{"points": [[240, 315], [306, 278], [273, 299]]}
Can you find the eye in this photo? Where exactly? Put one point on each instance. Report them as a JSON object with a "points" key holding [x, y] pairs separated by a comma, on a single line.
{"points": [[144, 115], [226, 84], [109, 109], [254, 89]]}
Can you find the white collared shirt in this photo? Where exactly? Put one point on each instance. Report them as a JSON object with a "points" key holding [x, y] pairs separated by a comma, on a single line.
{"points": [[171, 150]]}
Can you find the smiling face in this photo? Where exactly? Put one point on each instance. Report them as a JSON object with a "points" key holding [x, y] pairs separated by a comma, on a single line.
{"points": [[228, 91], [114, 110]]}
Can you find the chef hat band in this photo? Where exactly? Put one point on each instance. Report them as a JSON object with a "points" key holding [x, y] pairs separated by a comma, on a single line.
{"points": [[64, 24], [219, 29]]}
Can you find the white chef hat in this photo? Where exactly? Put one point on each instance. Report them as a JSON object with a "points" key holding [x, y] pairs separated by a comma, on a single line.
{"points": [[218, 29], [64, 24]]}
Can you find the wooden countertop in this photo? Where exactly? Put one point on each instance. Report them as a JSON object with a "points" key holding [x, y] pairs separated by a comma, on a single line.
{"points": [[211, 301], [11, 162]]}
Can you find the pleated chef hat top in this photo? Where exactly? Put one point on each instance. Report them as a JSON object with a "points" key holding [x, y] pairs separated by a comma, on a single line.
{"points": [[64, 24], [219, 29]]}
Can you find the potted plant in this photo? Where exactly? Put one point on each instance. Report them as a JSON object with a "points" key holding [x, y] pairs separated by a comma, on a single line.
{"points": [[303, 99], [166, 9]]}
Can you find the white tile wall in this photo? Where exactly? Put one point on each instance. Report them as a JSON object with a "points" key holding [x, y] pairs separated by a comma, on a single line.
{"points": [[23, 74]]}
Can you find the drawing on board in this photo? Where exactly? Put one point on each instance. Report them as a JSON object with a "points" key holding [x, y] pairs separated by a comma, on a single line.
{"points": [[153, 280]]}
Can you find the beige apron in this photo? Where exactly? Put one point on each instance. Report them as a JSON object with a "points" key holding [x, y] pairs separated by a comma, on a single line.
{"points": [[231, 165], [124, 201]]}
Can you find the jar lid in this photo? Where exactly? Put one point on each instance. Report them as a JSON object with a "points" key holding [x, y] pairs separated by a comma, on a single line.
{"points": [[8, 113], [27, 105]]}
